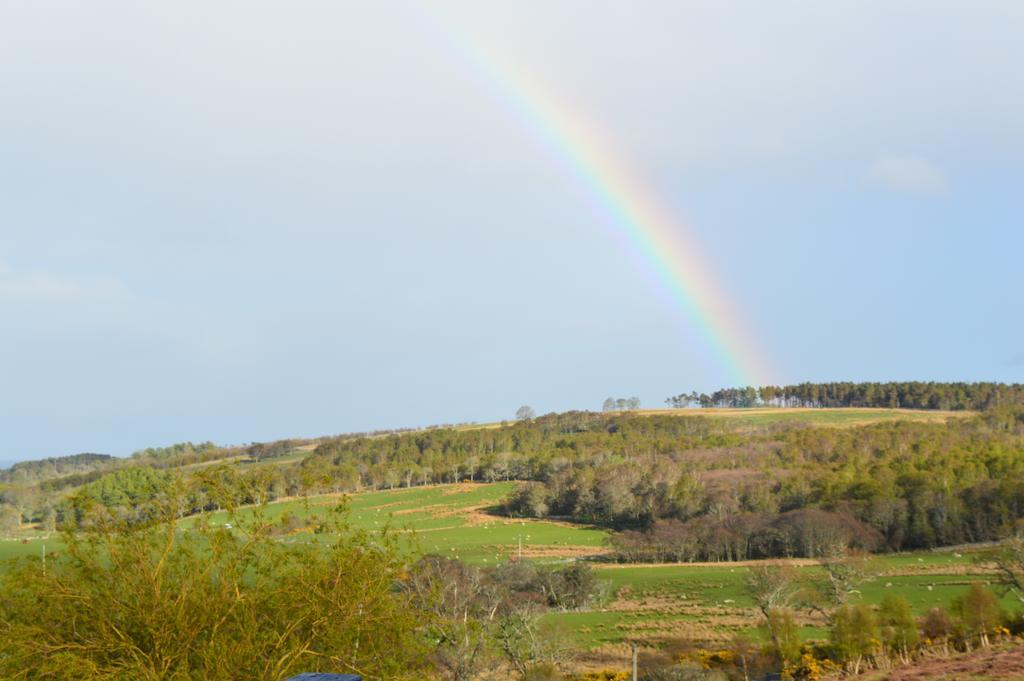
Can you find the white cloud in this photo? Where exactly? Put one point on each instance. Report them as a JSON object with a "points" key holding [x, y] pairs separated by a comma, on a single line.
{"points": [[910, 174]]}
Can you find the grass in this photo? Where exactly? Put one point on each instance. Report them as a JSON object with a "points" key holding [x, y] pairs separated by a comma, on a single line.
{"points": [[451, 520], [18, 548], [711, 603], [838, 416], [843, 416]]}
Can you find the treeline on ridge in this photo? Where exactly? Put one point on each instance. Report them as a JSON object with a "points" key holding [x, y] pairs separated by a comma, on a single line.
{"points": [[890, 395], [55, 466]]}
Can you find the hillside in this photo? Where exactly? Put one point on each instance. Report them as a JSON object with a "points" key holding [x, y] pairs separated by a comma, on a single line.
{"points": [[55, 467], [602, 530]]}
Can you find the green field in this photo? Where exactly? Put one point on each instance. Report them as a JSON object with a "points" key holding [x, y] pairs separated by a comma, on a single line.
{"points": [[710, 602], [453, 520], [16, 548]]}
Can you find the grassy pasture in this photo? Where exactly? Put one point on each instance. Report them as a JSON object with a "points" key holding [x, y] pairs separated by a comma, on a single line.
{"points": [[843, 416], [709, 602], [444, 519], [646, 601], [18, 548], [449, 520]]}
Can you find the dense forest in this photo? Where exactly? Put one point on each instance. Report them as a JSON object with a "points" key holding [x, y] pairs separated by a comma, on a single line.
{"points": [[891, 395]]}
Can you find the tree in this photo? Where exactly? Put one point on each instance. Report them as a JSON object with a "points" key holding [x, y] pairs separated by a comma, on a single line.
{"points": [[633, 403], [10, 520], [979, 612], [774, 589], [936, 626], [784, 635], [608, 404], [571, 587], [845, 571], [897, 626], [463, 609], [525, 412], [1009, 561], [529, 499], [854, 635], [529, 644]]}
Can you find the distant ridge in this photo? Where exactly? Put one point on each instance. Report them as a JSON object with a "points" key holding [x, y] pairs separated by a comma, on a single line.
{"points": [[55, 466]]}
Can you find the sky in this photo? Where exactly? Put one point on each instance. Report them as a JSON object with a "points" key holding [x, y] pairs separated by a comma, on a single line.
{"points": [[242, 221]]}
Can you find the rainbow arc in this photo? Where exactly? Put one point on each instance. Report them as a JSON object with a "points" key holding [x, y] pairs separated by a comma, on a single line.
{"points": [[623, 200]]}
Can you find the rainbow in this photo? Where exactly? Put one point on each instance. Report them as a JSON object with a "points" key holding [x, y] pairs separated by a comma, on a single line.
{"points": [[619, 196]]}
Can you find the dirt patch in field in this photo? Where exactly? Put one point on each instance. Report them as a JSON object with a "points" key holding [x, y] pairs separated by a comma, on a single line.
{"points": [[379, 507], [473, 515], [792, 562], [552, 550], [720, 615], [434, 511], [462, 488], [975, 569], [477, 516]]}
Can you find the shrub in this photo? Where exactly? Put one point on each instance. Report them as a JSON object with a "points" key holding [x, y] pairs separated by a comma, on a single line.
{"points": [[131, 599]]}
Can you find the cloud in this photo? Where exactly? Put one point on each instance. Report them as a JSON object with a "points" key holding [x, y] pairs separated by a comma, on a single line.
{"points": [[909, 174], [43, 287]]}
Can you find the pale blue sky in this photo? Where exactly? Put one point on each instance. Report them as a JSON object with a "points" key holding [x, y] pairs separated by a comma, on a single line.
{"points": [[261, 220]]}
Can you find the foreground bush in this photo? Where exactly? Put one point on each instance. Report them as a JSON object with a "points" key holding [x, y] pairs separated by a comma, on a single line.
{"points": [[150, 600]]}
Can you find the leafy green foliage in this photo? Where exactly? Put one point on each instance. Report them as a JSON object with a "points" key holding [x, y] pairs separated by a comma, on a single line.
{"points": [[854, 634], [897, 626], [146, 600], [979, 612]]}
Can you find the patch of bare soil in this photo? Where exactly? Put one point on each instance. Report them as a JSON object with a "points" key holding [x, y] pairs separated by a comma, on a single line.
{"points": [[433, 510], [462, 488], [718, 615], [553, 551], [974, 569], [793, 562]]}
